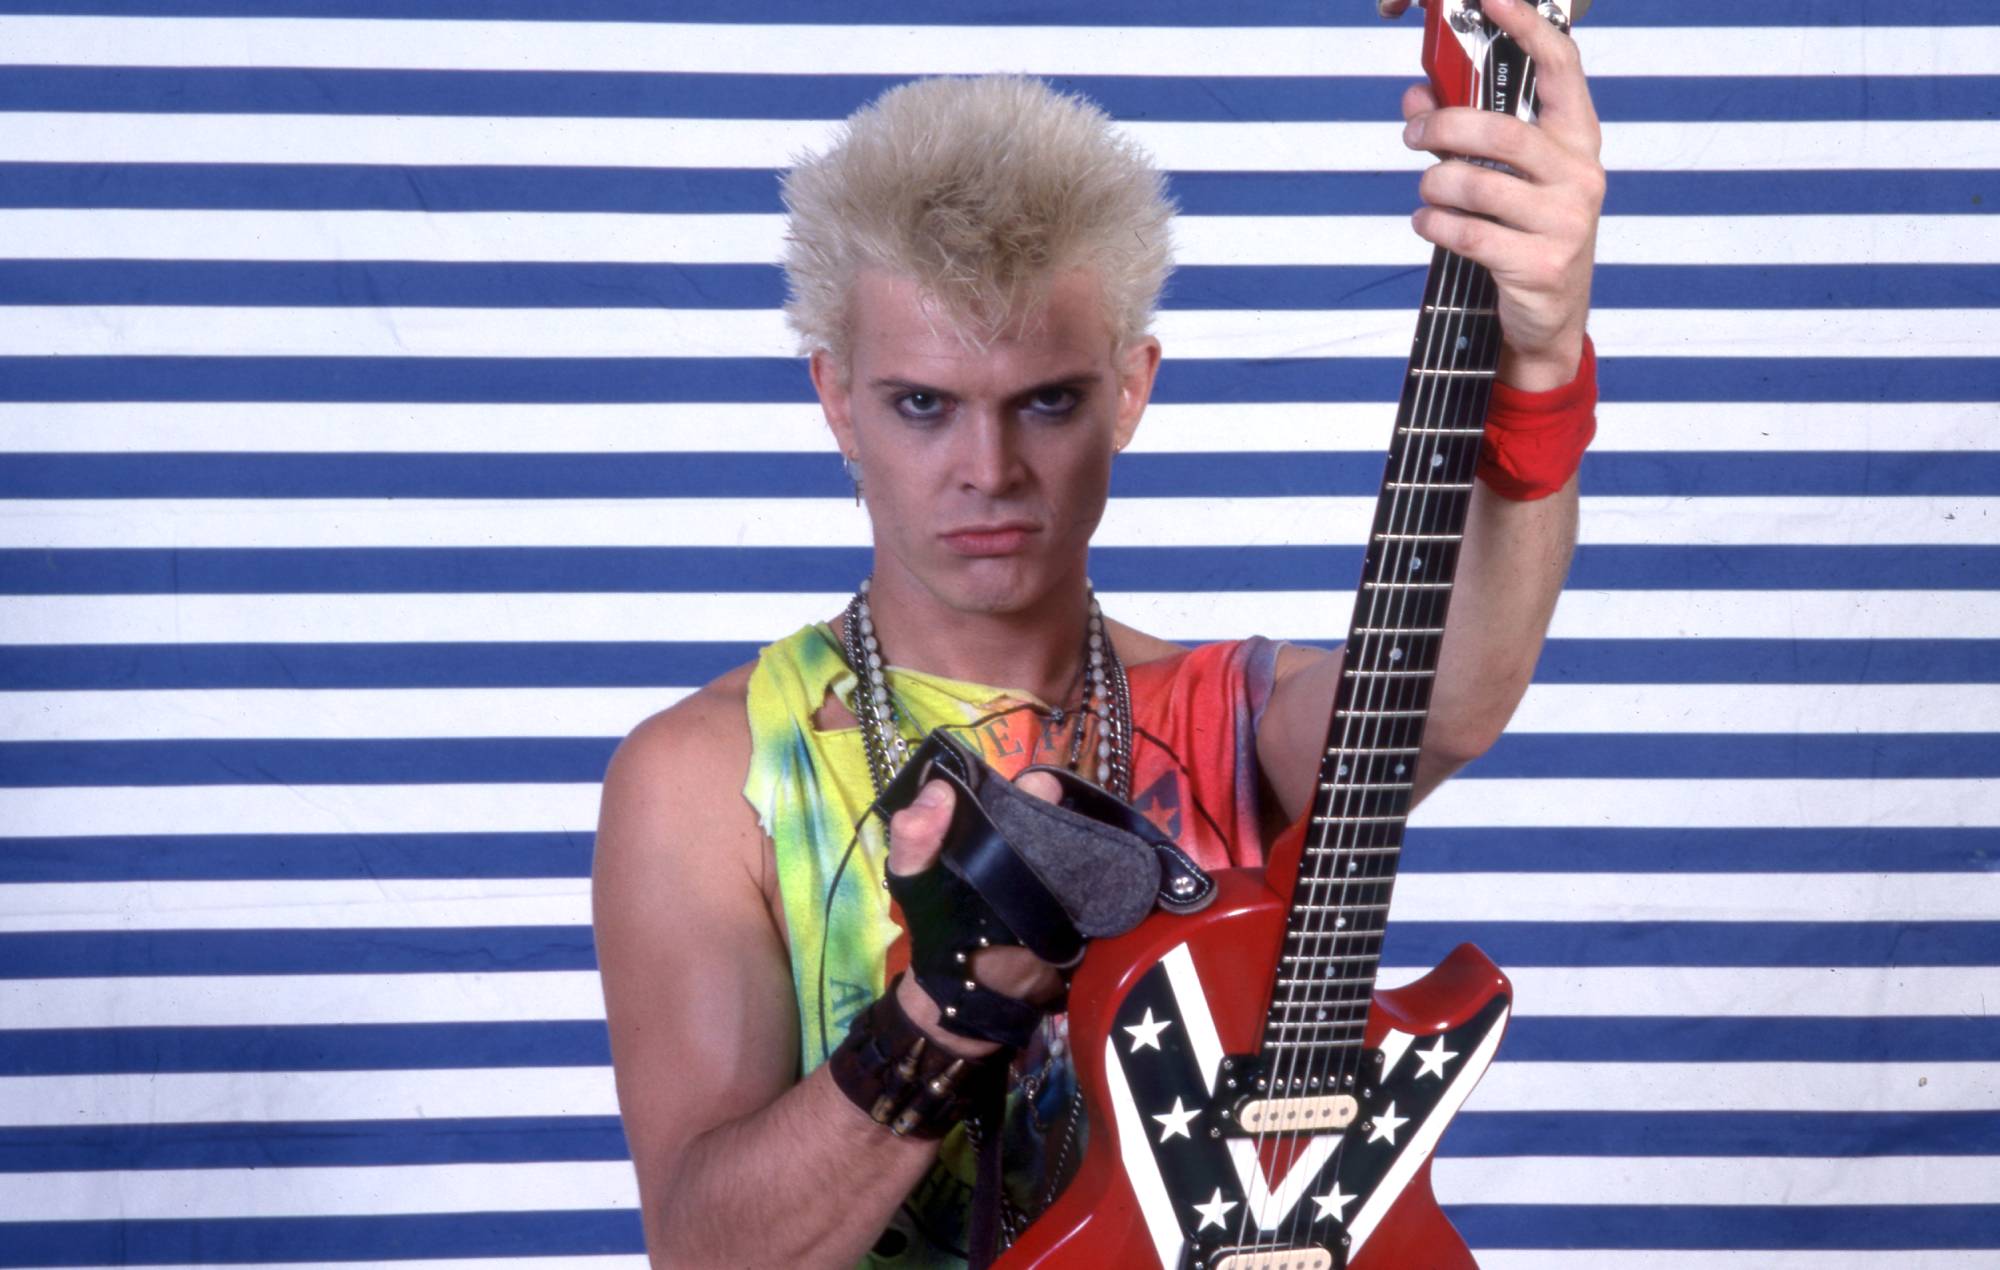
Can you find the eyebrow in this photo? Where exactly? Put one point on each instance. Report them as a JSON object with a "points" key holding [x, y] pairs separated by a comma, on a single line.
{"points": [[1080, 379]]}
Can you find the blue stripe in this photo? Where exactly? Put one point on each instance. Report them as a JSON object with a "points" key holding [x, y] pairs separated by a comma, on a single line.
{"points": [[309, 1143], [526, 1139], [70, 954], [819, 475], [783, 379], [552, 855], [1729, 1227], [55, 668], [709, 570], [376, 283], [1141, 13], [306, 855], [427, 1046], [475, 188], [221, 1241], [1155, 98], [506, 760]]}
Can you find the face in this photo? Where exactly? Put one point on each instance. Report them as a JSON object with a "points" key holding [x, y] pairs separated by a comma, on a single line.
{"points": [[985, 472]]}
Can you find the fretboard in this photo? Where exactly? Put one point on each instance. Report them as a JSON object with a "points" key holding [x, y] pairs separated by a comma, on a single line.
{"points": [[1340, 903]]}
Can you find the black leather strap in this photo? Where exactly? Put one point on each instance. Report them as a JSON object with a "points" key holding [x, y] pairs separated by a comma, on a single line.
{"points": [[1017, 870]]}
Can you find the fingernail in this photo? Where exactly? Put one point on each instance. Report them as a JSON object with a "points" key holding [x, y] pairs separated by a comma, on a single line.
{"points": [[931, 795], [1413, 131]]}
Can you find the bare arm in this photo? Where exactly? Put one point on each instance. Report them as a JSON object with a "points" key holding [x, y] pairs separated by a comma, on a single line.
{"points": [[1535, 228], [737, 1165]]}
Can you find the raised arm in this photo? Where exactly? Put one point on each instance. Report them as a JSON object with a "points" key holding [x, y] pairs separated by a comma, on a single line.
{"points": [[1534, 227], [738, 1166]]}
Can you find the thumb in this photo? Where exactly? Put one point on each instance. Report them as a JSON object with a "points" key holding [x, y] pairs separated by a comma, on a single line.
{"points": [[916, 833]]}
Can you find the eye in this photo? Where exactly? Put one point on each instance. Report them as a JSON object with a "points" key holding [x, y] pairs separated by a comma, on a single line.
{"points": [[1054, 401], [920, 405]]}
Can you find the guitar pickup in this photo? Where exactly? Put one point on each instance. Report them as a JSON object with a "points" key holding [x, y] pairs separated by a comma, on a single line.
{"points": [[1297, 1115], [1276, 1259]]}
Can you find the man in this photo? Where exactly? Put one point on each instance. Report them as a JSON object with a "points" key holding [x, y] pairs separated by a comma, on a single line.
{"points": [[973, 267]]}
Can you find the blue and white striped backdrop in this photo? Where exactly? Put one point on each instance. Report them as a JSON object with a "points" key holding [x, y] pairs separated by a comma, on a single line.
{"points": [[394, 408]]}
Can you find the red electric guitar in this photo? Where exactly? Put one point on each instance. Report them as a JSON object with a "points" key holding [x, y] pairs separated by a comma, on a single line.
{"points": [[1254, 1103]]}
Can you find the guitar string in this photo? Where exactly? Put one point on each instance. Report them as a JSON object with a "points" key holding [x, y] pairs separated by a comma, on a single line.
{"points": [[1458, 287]]}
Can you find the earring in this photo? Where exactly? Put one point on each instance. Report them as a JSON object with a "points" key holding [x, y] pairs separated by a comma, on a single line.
{"points": [[853, 474]]}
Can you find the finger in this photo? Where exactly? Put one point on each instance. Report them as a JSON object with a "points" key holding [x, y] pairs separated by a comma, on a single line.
{"points": [[1392, 8], [1482, 191], [1418, 99], [1481, 134], [916, 833], [1473, 237], [1562, 94], [1041, 785]]}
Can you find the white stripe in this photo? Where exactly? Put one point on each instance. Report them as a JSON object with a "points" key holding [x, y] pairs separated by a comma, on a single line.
{"points": [[1302, 615], [1141, 1169], [1192, 1000], [572, 808], [650, 238], [316, 905], [252, 1097], [733, 427], [1426, 897], [275, 1000], [1735, 992], [1491, 1258], [1257, 146], [113, 137], [216, 331], [1711, 1087], [543, 995], [1714, 804], [783, 48], [1649, 1180], [834, 522], [1424, 1141], [344, 1191], [608, 713], [238, 1097]]}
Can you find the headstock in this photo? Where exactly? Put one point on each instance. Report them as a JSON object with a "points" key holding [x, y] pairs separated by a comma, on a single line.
{"points": [[1472, 63]]}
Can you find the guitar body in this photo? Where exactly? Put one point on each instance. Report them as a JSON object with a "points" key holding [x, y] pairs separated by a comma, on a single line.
{"points": [[1160, 1188]]}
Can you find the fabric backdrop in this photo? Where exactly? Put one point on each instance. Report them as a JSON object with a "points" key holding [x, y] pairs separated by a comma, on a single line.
{"points": [[395, 408]]}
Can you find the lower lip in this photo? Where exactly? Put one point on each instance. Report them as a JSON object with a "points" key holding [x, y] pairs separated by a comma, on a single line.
{"points": [[1000, 542]]}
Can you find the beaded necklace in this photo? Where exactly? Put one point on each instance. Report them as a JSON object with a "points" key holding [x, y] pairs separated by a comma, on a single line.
{"points": [[1107, 695]]}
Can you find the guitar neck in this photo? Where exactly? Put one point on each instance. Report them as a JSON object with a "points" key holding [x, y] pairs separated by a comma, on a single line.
{"points": [[1347, 864], [1347, 867]]}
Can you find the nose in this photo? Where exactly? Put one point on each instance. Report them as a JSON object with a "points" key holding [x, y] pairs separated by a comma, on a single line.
{"points": [[989, 459]]}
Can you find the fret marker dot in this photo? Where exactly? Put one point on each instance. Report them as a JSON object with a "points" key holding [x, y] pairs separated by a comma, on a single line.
{"points": [[1341, 770], [1437, 460], [1340, 923], [1464, 343], [1416, 562], [1351, 866], [1401, 768], [1395, 654]]}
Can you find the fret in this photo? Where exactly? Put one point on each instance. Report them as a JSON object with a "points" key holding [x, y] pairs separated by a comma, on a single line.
{"points": [[1315, 1025], [1382, 714], [1332, 957], [1363, 749], [1354, 820], [1438, 485], [1321, 851], [1407, 586], [1459, 308], [1347, 785], [1443, 432], [1389, 674], [1455, 374], [1419, 537], [1305, 1044], [1397, 630], [1343, 908], [1311, 982]]}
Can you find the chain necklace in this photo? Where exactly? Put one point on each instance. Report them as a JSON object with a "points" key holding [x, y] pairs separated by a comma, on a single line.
{"points": [[1107, 695]]}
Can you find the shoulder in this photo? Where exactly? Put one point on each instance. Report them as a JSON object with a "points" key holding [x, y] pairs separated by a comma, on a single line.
{"points": [[677, 778]]}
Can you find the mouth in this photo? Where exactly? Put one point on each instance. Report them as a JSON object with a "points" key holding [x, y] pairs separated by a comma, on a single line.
{"points": [[1003, 538]]}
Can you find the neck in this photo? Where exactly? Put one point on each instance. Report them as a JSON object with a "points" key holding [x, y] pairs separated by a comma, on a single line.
{"points": [[1037, 649]]}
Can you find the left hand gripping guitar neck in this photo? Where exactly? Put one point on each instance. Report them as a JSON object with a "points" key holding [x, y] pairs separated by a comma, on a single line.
{"points": [[1254, 1102]]}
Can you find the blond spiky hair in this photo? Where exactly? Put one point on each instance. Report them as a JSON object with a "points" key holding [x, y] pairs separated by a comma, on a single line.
{"points": [[980, 190]]}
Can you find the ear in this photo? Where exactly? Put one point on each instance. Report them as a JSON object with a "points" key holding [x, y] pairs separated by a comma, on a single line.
{"points": [[1138, 363], [830, 381]]}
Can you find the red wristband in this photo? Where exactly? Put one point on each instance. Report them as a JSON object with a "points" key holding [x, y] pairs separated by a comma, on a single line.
{"points": [[1534, 440]]}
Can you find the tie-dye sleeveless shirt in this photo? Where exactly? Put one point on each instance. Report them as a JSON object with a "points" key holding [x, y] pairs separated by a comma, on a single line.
{"points": [[1194, 774]]}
